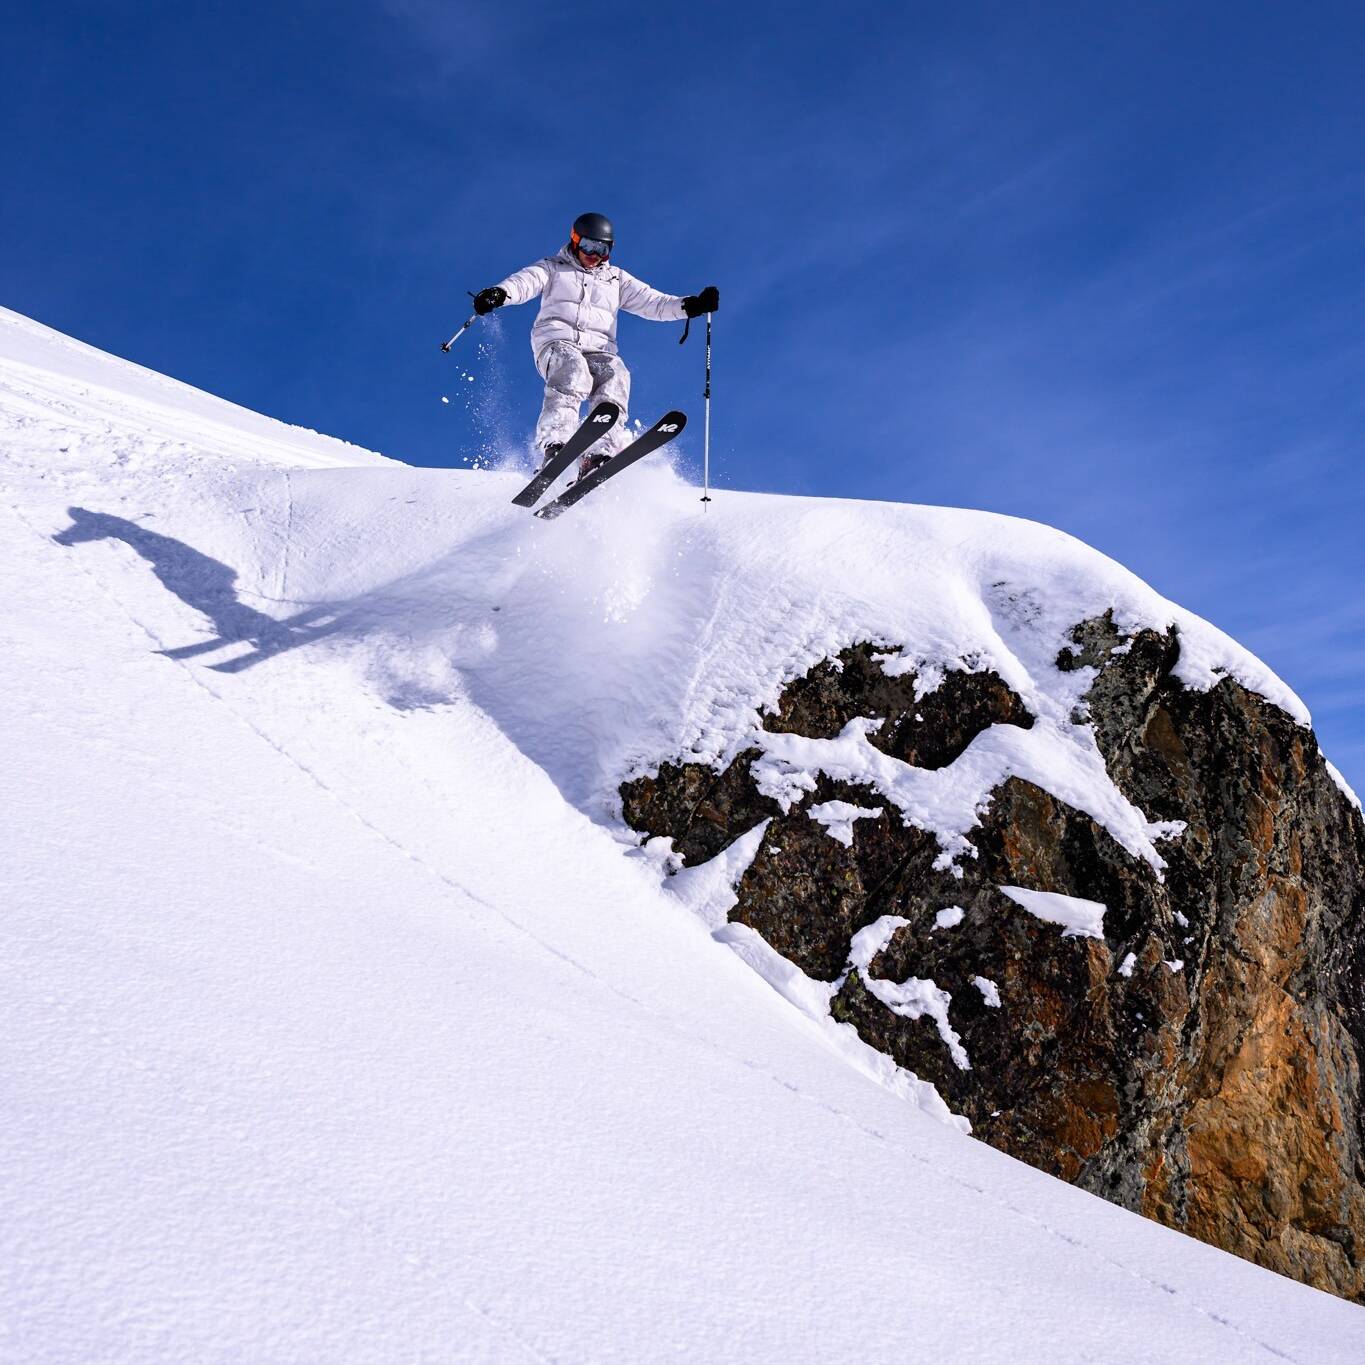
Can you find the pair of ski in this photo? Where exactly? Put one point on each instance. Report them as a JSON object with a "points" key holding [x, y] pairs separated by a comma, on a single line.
{"points": [[599, 421]]}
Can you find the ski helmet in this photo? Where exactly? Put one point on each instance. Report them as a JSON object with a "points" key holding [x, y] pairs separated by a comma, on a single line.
{"points": [[592, 227]]}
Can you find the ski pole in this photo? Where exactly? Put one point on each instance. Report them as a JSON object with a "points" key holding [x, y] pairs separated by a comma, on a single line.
{"points": [[446, 345], [706, 429], [468, 322]]}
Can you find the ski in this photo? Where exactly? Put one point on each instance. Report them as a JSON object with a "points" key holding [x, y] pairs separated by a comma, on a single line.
{"points": [[660, 434], [599, 421]]}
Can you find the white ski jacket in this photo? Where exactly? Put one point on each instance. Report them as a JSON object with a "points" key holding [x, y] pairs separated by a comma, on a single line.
{"points": [[580, 306]]}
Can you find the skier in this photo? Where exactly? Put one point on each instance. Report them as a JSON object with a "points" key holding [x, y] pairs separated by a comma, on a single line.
{"points": [[574, 335]]}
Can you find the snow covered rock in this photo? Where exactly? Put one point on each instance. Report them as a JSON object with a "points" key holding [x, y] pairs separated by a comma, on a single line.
{"points": [[1223, 1099]]}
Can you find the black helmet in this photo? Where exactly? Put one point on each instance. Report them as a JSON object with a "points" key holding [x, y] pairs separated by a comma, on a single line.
{"points": [[592, 227]]}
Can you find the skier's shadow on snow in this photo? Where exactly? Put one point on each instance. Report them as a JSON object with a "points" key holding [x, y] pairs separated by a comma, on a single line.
{"points": [[208, 586]]}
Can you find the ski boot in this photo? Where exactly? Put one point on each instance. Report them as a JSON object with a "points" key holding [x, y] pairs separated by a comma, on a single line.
{"points": [[589, 462]]}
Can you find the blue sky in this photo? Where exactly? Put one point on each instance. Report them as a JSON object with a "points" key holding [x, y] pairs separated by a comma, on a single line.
{"points": [[1101, 266]]}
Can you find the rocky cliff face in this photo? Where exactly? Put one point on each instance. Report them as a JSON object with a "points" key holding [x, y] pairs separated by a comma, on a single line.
{"points": [[1186, 1045]]}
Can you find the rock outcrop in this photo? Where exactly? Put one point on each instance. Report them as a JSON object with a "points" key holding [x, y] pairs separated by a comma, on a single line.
{"points": [[1196, 1058]]}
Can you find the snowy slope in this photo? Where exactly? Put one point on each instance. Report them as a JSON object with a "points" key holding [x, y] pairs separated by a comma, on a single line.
{"points": [[342, 1020]]}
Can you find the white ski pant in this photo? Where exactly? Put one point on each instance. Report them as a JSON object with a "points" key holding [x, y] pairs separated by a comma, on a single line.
{"points": [[572, 375]]}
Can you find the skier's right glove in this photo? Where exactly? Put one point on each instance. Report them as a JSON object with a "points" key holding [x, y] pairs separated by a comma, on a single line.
{"points": [[694, 305], [486, 300]]}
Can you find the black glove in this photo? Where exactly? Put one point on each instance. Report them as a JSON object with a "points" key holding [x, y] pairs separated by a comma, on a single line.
{"points": [[486, 300], [694, 305]]}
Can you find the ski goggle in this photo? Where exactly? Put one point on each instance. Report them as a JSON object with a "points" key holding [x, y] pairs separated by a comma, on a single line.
{"points": [[590, 246]]}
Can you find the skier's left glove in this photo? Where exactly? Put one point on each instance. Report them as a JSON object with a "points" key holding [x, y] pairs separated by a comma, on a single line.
{"points": [[694, 305], [486, 300]]}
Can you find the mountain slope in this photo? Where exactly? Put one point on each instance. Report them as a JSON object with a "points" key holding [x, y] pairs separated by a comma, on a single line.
{"points": [[345, 1020]]}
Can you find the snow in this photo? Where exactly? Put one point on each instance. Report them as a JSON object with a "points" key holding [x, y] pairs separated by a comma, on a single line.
{"points": [[949, 918], [915, 997], [708, 890], [990, 992], [872, 939], [1062, 758], [1127, 965], [1078, 917], [1342, 785], [911, 998], [343, 1021], [838, 816], [812, 998]]}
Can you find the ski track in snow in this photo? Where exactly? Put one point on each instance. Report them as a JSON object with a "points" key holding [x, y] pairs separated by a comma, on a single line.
{"points": [[578, 643]]}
